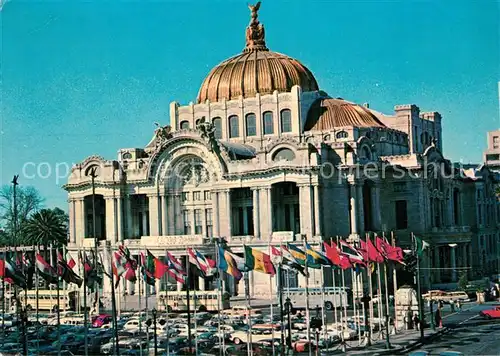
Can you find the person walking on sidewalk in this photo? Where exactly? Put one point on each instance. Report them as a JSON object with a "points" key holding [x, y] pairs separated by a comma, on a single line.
{"points": [[452, 306], [459, 306], [416, 322], [437, 318]]}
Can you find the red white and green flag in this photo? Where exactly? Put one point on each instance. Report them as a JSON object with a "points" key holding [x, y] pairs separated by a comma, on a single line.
{"points": [[45, 270]]}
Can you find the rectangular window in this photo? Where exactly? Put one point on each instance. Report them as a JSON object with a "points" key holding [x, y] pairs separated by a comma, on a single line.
{"points": [[401, 214], [187, 222], [495, 142], [492, 157], [197, 196], [185, 196], [197, 222], [208, 217], [208, 195]]}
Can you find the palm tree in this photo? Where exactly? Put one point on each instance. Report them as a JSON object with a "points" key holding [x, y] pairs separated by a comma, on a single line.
{"points": [[45, 227]]}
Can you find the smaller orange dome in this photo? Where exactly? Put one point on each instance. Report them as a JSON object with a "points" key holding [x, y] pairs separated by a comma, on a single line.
{"points": [[326, 114]]}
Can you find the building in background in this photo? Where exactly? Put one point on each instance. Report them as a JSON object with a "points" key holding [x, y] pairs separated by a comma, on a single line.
{"points": [[492, 154], [265, 157]]}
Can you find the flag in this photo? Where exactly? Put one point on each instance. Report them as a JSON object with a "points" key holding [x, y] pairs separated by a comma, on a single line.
{"points": [[12, 273], [352, 253], [90, 273], [301, 257], [130, 265], [205, 265], [119, 264], [332, 253], [420, 245], [258, 261], [66, 272], [227, 263], [286, 259], [370, 252], [390, 252], [175, 263], [318, 257], [174, 273], [154, 266], [45, 270], [146, 274]]}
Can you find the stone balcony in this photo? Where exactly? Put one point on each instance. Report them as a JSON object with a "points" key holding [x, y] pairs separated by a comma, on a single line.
{"points": [[450, 234]]}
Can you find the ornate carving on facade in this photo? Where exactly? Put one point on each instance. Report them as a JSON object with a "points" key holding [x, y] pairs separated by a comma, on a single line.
{"points": [[207, 130], [93, 158], [283, 140], [162, 135]]}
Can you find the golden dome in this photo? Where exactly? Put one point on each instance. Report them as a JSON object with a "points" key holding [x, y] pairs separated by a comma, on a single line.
{"points": [[256, 70], [326, 114]]}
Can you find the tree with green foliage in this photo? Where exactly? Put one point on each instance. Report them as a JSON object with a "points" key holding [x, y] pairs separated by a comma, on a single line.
{"points": [[463, 281], [45, 227]]}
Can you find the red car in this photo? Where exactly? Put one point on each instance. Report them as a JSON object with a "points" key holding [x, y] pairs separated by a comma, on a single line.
{"points": [[491, 313], [101, 320]]}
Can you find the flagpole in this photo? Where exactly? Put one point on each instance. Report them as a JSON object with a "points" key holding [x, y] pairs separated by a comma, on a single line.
{"points": [[271, 298], [341, 294], [166, 306], [247, 297], [219, 300], [85, 311], [113, 305], [36, 295], [370, 290], [335, 293], [323, 316], [380, 302], [195, 308], [141, 256], [308, 317], [58, 316], [363, 309], [188, 281], [4, 296], [419, 292], [356, 309], [146, 290], [387, 311], [395, 285]]}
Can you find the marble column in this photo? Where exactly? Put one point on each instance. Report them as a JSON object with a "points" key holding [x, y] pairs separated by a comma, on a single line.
{"points": [[354, 208], [204, 222], [71, 214], [119, 219], [128, 217], [216, 213], [317, 211], [229, 212], [256, 212], [245, 220], [83, 219], [453, 264], [193, 221], [360, 207], [164, 222], [110, 218], [154, 218], [376, 208], [269, 196], [437, 265]]}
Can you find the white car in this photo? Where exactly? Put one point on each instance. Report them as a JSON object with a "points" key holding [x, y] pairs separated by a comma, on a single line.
{"points": [[133, 325], [239, 337]]}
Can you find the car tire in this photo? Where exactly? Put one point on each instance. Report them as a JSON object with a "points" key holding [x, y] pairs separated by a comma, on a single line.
{"points": [[237, 341], [328, 306]]}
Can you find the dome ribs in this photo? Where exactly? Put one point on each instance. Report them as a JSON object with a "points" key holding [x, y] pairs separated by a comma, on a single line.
{"points": [[327, 114]]}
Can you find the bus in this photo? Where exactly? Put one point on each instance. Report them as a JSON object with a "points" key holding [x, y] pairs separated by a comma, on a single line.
{"points": [[333, 296], [205, 301], [47, 299]]}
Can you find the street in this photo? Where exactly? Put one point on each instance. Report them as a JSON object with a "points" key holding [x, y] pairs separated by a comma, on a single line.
{"points": [[469, 334]]}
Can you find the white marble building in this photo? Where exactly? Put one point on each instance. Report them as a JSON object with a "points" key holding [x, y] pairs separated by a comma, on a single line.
{"points": [[264, 156]]}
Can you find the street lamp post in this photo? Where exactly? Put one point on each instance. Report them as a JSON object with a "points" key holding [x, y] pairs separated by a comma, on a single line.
{"points": [[93, 175], [289, 323], [155, 337]]}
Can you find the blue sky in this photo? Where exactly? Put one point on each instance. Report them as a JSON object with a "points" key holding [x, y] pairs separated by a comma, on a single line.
{"points": [[82, 78]]}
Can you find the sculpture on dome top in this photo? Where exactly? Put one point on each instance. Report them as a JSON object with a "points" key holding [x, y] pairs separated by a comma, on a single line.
{"points": [[255, 34]]}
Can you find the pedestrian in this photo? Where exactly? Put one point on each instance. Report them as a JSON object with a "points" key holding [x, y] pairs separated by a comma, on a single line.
{"points": [[416, 321], [459, 306], [409, 319], [437, 317], [452, 306]]}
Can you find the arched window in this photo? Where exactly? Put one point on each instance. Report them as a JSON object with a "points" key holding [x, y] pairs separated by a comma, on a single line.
{"points": [[284, 154], [251, 125], [234, 126], [342, 134], [127, 155], [184, 125], [217, 122], [286, 120], [267, 120]]}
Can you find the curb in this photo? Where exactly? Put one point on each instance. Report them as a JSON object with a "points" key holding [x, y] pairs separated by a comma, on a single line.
{"points": [[412, 346]]}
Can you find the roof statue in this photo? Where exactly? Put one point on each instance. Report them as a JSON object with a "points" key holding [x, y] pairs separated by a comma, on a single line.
{"points": [[207, 130], [162, 134], [255, 34]]}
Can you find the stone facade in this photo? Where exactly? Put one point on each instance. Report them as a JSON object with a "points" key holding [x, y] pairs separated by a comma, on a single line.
{"points": [[246, 170]]}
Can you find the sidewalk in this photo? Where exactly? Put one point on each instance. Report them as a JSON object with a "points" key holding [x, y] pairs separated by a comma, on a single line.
{"points": [[402, 342]]}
